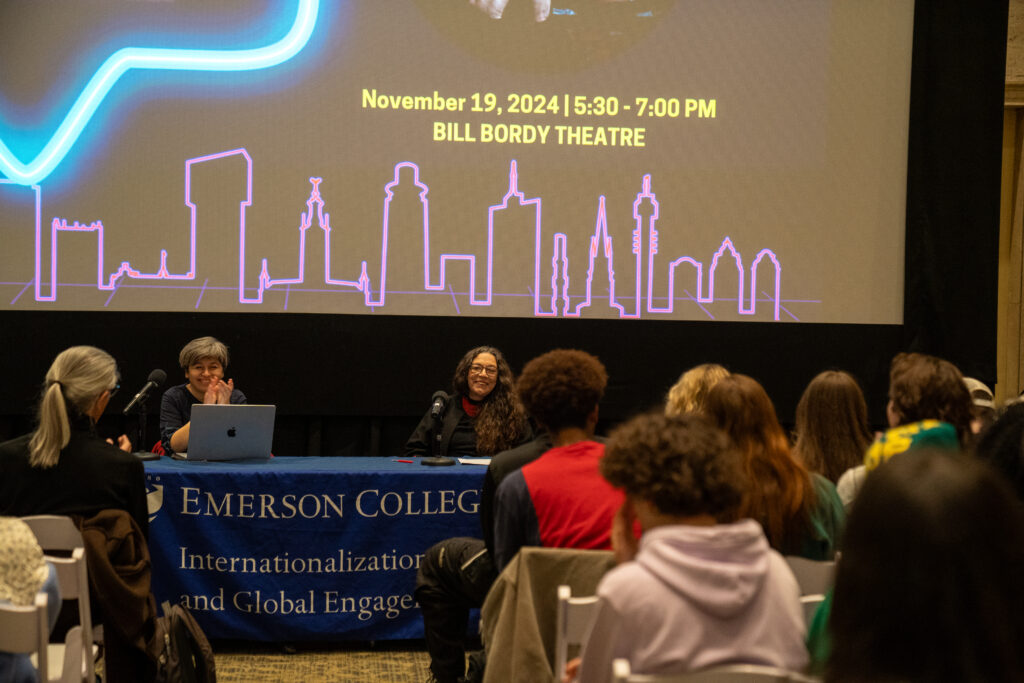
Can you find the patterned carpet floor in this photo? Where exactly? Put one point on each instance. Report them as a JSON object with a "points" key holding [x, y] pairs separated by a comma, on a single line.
{"points": [[398, 662]]}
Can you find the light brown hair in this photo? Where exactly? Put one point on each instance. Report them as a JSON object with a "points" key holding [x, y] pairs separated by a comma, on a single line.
{"points": [[832, 425], [781, 494]]}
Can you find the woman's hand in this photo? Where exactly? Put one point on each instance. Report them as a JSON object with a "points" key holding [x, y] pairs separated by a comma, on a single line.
{"points": [[624, 542], [210, 397], [572, 670], [122, 442], [219, 391], [224, 390]]}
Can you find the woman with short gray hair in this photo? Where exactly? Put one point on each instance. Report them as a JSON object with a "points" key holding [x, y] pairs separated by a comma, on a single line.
{"points": [[203, 361]]}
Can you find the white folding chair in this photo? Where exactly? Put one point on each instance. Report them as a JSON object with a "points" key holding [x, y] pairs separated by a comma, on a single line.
{"points": [[572, 624], [24, 630], [810, 604], [56, 533], [813, 576], [731, 673]]}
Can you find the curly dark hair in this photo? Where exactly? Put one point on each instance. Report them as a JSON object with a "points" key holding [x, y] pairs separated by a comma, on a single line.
{"points": [[562, 387], [923, 387], [683, 465], [501, 422]]}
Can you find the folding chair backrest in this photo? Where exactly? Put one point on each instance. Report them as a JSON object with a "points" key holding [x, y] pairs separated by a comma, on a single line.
{"points": [[54, 532], [810, 605], [59, 534], [731, 673], [24, 630], [572, 624], [813, 576]]}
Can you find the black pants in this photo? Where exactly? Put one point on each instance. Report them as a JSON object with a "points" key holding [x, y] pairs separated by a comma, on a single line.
{"points": [[454, 576]]}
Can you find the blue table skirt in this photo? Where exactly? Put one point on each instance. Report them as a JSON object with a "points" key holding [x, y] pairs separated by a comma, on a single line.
{"points": [[297, 549]]}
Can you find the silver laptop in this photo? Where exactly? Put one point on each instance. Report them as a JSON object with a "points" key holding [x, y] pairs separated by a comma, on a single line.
{"points": [[230, 432]]}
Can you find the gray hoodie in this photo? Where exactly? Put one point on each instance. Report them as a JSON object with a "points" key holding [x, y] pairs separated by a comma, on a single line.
{"points": [[697, 596]]}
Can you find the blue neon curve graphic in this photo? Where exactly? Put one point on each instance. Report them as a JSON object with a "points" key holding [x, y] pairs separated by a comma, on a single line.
{"points": [[125, 59]]}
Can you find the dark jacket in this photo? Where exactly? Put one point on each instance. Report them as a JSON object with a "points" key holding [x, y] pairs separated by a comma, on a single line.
{"points": [[420, 443], [120, 579], [90, 475]]}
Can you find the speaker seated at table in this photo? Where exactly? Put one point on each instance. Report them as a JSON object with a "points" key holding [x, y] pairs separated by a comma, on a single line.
{"points": [[480, 417], [203, 361]]}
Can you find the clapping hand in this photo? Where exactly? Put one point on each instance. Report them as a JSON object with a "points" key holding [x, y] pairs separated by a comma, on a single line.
{"points": [[219, 391]]}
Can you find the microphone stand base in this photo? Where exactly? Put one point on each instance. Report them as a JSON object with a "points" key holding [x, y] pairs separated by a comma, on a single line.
{"points": [[146, 455], [437, 461]]}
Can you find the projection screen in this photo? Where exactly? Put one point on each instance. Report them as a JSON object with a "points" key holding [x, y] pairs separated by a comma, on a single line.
{"points": [[730, 160]]}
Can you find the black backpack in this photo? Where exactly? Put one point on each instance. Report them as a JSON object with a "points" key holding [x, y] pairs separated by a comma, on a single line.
{"points": [[180, 649]]}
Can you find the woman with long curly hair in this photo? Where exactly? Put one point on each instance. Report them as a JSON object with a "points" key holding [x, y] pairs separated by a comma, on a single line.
{"points": [[832, 431], [482, 415], [800, 511]]}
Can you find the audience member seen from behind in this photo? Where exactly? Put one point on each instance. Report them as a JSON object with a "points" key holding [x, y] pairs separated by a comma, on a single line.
{"points": [[1002, 446], [687, 394], [203, 360], [983, 406], [929, 586], [832, 430], [800, 511], [560, 499], [23, 573], [64, 467], [482, 415], [703, 587], [921, 388]]}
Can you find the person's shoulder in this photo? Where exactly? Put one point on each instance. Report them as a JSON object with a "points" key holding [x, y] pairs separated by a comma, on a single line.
{"points": [[626, 579], [176, 393], [823, 486], [512, 485], [237, 397], [514, 458], [15, 446]]}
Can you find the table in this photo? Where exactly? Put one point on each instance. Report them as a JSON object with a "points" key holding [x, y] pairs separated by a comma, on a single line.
{"points": [[301, 549]]}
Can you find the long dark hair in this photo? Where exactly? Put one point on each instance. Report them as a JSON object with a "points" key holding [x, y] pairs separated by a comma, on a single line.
{"points": [[929, 585], [781, 494], [832, 425], [501, 422]]}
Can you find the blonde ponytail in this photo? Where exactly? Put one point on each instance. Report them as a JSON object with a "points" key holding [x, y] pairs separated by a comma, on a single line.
{"points": [[77, 378]]}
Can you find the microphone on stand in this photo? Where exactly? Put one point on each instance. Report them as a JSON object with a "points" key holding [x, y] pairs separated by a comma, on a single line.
{"points": [[438, 404], [138, 404], [154, 381]]}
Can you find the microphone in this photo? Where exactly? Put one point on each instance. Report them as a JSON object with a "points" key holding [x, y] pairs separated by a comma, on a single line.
{"points": [[155, 379], [438, 402]]}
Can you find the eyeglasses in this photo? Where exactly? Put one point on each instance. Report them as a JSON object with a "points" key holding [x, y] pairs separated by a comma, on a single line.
{"points": [[486, 371], [113, 392]]}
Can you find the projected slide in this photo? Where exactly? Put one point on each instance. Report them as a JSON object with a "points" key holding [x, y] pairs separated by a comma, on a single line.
{"points": [[739, 160]]}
